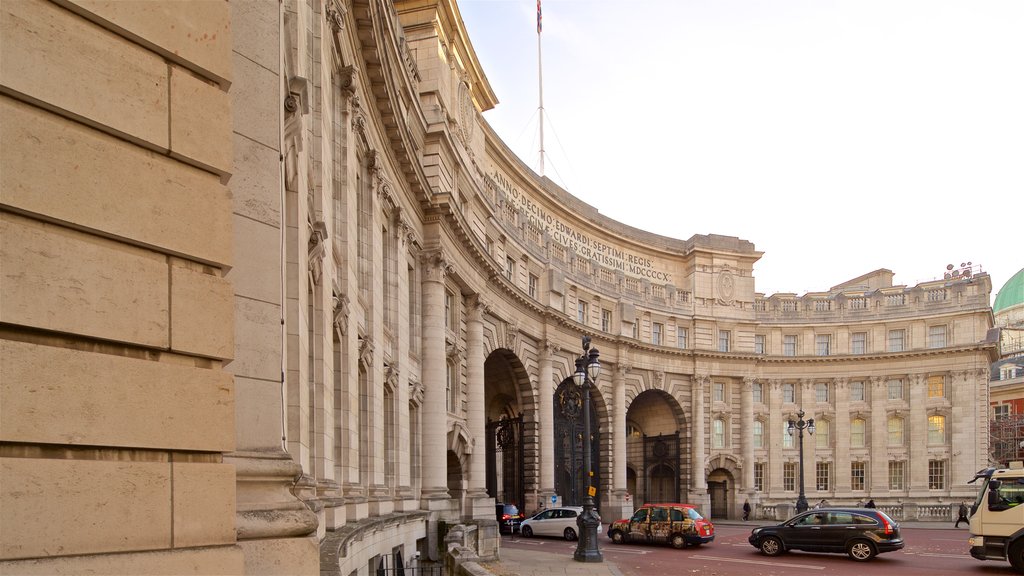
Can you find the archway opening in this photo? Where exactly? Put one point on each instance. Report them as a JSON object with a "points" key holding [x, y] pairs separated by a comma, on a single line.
{"points": [[722, 490], [656, 443], [507, 431]]}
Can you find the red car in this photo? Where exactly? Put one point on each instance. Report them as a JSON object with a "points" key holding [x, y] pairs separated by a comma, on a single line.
{"points": [[677, 524]]}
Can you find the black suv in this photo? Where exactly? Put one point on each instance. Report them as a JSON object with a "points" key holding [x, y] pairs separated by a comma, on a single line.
{"points": [[509, 517], [861, 533]]}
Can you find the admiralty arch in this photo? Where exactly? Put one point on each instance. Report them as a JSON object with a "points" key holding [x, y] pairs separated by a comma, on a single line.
{"points": [[275, 294]]}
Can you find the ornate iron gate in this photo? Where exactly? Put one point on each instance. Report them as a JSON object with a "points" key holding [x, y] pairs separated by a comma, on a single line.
{"points": [[661, 468], [505, 461], [570, 478]]}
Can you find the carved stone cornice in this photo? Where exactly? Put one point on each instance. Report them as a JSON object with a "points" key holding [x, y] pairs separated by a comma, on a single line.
{"points": [[334, 12]]}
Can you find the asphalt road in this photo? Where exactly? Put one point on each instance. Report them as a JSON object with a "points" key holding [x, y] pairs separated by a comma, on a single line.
{"points": [[928, 552]]}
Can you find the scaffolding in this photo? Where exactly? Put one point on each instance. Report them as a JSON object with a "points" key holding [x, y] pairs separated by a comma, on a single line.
{"points": [[1007, 439]]}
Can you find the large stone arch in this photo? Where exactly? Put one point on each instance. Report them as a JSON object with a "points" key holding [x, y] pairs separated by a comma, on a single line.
{"points": [[657, 444], [723, 485], [509, 414]]}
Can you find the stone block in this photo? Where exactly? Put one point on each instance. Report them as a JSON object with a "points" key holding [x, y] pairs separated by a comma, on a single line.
{"points": [[196, 33], [212, 561], [202, 312], [82, 507], [256, 106], [257, 340], [69, 172], [258, 250], [280, 557], [67, 62], [60, 396], [200, 122], [257, 32], [256, 183], [62, 280], [257, 412], [204, 504]]}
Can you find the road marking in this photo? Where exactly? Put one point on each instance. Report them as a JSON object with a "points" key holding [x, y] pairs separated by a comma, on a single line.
{"points": [[760, 562], [936, 554]]}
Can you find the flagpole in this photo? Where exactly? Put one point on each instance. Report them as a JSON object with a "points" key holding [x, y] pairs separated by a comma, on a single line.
{"points": [[540, 84]]}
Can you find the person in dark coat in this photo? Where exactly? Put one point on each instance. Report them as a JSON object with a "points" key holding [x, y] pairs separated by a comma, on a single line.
{"points": [[870, 504], [746, 510], [962, 515]]}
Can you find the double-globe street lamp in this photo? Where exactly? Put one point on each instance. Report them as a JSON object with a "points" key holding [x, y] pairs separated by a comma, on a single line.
{"points": [[588, 368], [799, 426]]}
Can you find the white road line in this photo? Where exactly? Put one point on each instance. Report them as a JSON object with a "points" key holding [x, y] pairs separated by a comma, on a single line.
{"points": [[937, 554], [759, 562]]}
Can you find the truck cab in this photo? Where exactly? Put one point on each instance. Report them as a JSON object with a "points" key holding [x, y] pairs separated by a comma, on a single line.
{"points": [[997, 516]]}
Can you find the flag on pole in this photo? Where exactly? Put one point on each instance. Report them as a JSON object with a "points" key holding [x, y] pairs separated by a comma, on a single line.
{"points": [[538, 16]]}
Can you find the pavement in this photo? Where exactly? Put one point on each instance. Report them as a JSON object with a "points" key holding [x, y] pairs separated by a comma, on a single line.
{"points": [[520, 562]]}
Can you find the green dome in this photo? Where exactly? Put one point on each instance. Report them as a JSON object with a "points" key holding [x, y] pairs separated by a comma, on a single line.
{"points": [[1011, 294]]}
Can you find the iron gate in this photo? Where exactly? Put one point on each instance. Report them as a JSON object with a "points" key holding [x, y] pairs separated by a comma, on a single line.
{"points": [[661, 468], [570, 479], [505, 461]]}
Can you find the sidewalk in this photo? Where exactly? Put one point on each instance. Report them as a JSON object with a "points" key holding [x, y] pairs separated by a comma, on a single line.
{"points": [[519, 562]]}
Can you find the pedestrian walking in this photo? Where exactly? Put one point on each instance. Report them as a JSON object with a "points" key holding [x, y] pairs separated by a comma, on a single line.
{"points": [[746, 510], [962, 515]]}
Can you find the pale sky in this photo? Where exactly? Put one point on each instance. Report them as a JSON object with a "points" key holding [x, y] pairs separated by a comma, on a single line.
{"points": [[839, 137]]}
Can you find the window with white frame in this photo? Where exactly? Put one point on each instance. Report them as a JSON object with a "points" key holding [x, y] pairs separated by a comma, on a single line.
{"points": [[789, 476], [858, 343], [894, 427], [532, 283], [936, 386], [758, 343], [822, 476], [758, 434], [682, 335], [936, 336], [449, 310], [937, 429], [451, 387], [858, 438], [1000, 411], [822, 434], [895, 389], [822, 344], [657, 329], [788, 393], [718, 433], [858, 473], [788, 440], [510, 269], [757, 391], [581, 311], [896, 340], [897, 474], [724, 338], [821, 392], [606, 320], [936, 474], [718, 389], [857, 391], [789, 345], [759, 476]]}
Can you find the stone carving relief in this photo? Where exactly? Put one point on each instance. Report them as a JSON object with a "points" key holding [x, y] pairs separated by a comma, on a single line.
{"points": [[726, 287], [316, 250], [366, 351], [341, 314]]}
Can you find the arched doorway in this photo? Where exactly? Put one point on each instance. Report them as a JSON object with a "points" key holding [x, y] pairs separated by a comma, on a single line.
{"points": [[721, 489], [456, 482], [506, 385], [570, 477], [656, 445]]}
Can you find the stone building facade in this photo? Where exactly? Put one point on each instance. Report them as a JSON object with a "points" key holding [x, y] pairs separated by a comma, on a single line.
{"points": [[276, 299]]}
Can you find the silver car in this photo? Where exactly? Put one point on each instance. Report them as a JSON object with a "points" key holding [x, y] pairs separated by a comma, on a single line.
{"points": [[560, 522]]}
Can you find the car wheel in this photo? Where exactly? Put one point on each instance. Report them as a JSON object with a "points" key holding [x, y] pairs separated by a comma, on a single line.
{"points": [[569, 534], [527, 531], [860, 550], [771, 546], [678, 542], [617, 537], [1016, 556]]}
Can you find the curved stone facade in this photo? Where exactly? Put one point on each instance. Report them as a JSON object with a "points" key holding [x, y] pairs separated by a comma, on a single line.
{"points": [[374, 307]]}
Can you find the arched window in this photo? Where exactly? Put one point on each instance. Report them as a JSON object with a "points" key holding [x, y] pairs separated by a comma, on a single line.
{"points": [[895, 428], [937, 429], [718, 433], [857, 437]]}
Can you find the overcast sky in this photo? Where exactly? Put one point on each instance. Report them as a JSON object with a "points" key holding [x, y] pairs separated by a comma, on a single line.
{"points": [[838, 136]]}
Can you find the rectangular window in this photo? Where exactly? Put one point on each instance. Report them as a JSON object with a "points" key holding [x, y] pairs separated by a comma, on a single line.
{"points": [[636, 329], [581, 311], [822, 476], [759, 344], [857, 433], [857, 475], [657, 329], [451, 387], [758, 434], [788, 440], [789, 476], [936, 474], [858, 342], [789, 345], [857, 391], [936, 336], [894, 427], [682, 335], [532, 286], [606, 320], [897, 474], [822, 436], [788, 393], [1001, 411], [449, 310], [510, 268], [937, 429], [723, 340], [822, 344], [895, 388], [896, 340], [758, 392], [719, 391], [718, 433], [936, 386], [821, 392], [759, 476]]}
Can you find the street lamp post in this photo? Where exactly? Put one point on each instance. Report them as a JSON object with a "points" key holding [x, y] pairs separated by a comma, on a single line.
{"points": [[799, 426], [588, 368]]}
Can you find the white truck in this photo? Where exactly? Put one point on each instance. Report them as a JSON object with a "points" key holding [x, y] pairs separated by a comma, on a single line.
{"points": [[997, 517]]}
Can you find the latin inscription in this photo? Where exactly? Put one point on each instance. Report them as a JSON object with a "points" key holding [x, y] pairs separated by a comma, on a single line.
{"points": [[580, 243]]}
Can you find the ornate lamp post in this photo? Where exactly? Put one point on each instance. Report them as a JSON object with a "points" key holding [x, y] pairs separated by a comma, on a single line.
{"points": [[800, 425], [588, 368]]}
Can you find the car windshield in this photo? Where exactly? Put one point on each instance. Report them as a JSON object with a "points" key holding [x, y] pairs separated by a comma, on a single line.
{"points": [[693, 514]]}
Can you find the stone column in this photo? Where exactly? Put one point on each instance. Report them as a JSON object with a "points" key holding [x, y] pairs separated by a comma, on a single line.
{"points": [[699, 484], [619, 442], [842, 436], [807, 404], [969, 427], [917, 436], [435, 414], [546, 418], [747, 435], [879, 484], [475, 409], [773, 483]]}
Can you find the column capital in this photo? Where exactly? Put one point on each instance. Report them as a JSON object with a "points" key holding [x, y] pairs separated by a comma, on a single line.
{"points": [[476, 307], [840, 382], [748, 383], [435, 266], [701, 380], [622, 369]]}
